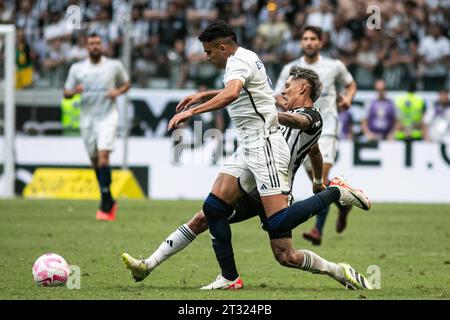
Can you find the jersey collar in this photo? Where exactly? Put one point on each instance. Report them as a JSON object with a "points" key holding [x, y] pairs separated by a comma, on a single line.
{"points": [[303, 61], [102, 59]]}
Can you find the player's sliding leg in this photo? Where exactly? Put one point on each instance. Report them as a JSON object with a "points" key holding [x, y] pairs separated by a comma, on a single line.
{"points": [[245, 208], [178, 240], [306, 260], [174, 243], [288, 218], [219, 212], [217, 208]]}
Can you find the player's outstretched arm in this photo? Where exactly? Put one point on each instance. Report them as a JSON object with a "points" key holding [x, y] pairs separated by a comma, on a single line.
{"points": [[225, 96], [199, 97], [221, 100], [294, 121]]}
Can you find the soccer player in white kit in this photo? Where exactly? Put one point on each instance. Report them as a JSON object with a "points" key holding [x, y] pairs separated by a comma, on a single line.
{"points": [[100, 81], [262, 150], [334, 75]]}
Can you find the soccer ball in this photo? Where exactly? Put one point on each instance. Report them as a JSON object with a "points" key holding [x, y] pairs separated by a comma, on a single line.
{"points": [[51, 270]]}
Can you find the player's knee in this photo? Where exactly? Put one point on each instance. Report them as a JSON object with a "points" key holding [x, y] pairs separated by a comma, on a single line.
{"points": [[103, 162], [103, 158], [274, 231], [215, 208], [198, 224]]}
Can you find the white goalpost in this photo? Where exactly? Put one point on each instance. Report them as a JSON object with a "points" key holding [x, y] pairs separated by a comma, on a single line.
{"points": [[7, 99]]}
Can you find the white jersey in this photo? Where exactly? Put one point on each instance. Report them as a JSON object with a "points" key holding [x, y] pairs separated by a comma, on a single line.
{"points": [[299, 141], [254, 112], [333, 74], [97, 80]]}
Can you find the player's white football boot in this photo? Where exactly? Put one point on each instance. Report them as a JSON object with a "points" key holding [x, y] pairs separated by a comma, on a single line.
{"points": [[350, 195], [223, 284], [353, 280], [137, 267]]}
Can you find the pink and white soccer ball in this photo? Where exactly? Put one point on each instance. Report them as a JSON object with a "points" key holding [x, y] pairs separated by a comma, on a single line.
{"points": [[51, 270]]}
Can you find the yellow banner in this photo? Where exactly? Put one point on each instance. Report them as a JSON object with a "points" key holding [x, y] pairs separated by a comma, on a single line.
{"points": [[81, 184]]}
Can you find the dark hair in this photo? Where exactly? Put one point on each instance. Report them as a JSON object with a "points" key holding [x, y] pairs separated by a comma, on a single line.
{"points": [[93, 35], [316, 30], [217, 30], [309, 75]]}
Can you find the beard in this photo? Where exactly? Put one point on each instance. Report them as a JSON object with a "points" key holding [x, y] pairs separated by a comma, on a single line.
{"points": [[310, 53], [95, 55]]}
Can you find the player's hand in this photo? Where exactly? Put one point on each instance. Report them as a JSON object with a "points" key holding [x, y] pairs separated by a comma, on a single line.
{"points": [[343, 103], [113, 93], [189, 101], [179, 118], [318, 187]]}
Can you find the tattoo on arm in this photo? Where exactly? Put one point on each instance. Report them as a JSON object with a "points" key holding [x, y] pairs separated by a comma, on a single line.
{"points": [[294, 121]]}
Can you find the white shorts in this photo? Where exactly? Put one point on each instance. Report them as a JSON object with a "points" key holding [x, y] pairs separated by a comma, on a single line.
{"points": [[264, 167], [328, 146], [99, 138]]}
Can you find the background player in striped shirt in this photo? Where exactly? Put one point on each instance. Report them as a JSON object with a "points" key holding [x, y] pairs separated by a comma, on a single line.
{"points": [[100, 81], [334, 76], [301, 127]]}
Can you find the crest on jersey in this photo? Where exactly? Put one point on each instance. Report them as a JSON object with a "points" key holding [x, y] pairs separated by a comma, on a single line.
{"points": [[259, 64]]}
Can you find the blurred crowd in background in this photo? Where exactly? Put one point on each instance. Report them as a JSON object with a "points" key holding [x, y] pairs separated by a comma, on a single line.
{"points": [[412, 42], [410, 50]]}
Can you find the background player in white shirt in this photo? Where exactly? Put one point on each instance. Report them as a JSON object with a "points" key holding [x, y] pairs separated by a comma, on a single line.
{"points": [[262, 150], [334, 75], [100, 81], [301, 127]]}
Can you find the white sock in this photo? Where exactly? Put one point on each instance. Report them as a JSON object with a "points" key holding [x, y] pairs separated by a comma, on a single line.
{"points": [[174, 243], [316, 264]]}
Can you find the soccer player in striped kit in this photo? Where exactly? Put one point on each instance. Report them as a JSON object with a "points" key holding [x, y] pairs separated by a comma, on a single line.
{"points": [[334, 75], [100, 81]]}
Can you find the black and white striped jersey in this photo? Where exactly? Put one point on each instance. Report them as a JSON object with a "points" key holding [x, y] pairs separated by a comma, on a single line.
{"points": [[301, 141]]}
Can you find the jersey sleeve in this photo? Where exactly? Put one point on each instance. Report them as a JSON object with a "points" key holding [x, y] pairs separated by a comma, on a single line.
{"points": [[314, 117], [284, 75], [344, 77], [121, 75], [237, 69], [71, 80]]}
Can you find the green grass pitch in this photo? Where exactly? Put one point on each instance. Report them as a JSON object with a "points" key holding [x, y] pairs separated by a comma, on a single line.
{"points": [[409, 243]]}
